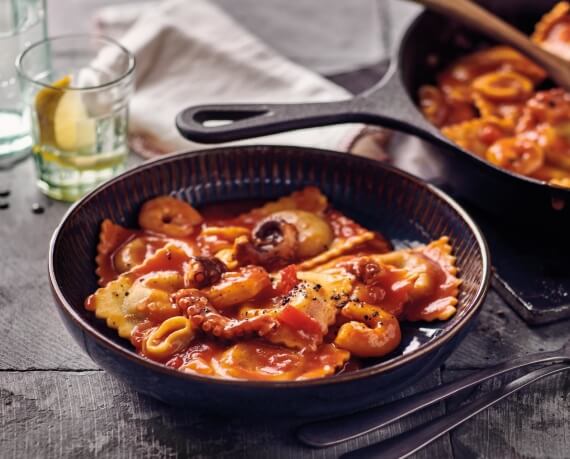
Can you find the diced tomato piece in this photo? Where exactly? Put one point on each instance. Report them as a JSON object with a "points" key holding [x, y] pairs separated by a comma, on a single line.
{"points": [[288, 280], [298, 320]]}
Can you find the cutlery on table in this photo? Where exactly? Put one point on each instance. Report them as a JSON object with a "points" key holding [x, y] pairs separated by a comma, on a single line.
{"points": [[409, 442], [329, 432]]}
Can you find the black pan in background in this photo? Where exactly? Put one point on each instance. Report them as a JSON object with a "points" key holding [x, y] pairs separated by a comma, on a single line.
{"points": [[391, 103]]}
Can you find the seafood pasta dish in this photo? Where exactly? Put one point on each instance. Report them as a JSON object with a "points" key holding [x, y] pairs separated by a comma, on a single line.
{"points": [[498, 104], [286, 290]]}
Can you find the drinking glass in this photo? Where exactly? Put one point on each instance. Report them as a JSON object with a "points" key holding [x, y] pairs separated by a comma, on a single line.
{"points": [[22, 22], [77, 103]]}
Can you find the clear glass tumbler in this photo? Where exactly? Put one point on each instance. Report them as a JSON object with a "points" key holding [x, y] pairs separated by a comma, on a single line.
{"points": [[77, 104], [22, 22]]}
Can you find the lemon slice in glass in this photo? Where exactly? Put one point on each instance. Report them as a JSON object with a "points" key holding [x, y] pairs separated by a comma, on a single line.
{"points": [[73, 129], [46, 102]]}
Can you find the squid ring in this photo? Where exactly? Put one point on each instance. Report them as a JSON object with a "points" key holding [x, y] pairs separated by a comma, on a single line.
{"points": [[504, 86], [170, 216]]}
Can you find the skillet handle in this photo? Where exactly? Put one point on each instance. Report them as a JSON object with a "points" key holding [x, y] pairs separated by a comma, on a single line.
{"points": [[203, 123], [386, 104]]}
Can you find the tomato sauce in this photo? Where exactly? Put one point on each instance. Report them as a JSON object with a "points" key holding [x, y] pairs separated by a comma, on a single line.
{"points": [[251, 357]]}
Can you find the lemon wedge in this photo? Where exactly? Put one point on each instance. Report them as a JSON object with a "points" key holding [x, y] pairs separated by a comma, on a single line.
{"points": [[73, 129], [47, 99]]}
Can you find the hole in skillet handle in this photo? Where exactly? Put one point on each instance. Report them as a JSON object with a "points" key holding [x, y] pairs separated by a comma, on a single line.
{"points": [[220, 123], [213, 118]]}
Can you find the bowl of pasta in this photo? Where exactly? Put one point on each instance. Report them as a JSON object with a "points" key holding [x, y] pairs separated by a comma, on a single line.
{"points": [[498, 124], [312, 281]]}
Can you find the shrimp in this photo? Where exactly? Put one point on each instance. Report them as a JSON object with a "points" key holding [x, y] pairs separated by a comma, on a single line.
{"points": [[170, 216], [501, 94], [371, 332]]}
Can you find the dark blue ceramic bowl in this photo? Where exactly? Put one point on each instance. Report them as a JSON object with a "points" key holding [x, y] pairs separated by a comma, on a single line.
{"points": [[400, 206]]}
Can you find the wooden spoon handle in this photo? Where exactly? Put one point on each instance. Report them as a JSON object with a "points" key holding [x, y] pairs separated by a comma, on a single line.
{"points": [[482, 20]]}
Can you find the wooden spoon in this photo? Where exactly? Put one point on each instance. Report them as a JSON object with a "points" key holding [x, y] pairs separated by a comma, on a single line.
{"points": [[480, 19]]}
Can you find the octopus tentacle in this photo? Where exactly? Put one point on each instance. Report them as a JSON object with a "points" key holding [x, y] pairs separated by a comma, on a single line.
{"points": [[203, 315]]}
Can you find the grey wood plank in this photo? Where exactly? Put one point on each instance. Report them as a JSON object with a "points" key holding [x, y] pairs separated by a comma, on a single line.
{"points": [[533, 423], [31, 333], [500, 334], [90, 414]]}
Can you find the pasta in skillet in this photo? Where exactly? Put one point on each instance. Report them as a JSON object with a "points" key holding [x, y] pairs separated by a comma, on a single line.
{"points": [[490, 103], [289, 290]]}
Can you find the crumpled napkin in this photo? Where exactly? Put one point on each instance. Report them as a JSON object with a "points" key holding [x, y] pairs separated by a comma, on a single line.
{"points": [[192, 52]]}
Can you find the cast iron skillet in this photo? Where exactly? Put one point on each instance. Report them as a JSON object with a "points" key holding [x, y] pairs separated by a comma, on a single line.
{"points": [[402, 207], [391, 103]]}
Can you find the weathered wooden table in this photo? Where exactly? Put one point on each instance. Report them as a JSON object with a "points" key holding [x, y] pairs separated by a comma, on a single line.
{"points": [[55, 402]]}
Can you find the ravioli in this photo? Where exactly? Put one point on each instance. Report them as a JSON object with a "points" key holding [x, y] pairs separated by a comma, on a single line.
{"points": [[290, 290], [142, 294]]}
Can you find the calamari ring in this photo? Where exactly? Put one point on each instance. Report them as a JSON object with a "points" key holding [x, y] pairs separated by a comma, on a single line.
{"points": [[479, 134], [170, 216], [503, 86], [501, 94], [553, 31], [455, 81], [517, 154], [440, 111], [371, 332]]}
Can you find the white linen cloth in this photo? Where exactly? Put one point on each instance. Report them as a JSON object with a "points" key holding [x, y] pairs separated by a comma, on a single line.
{"points": [[192, 52]]}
